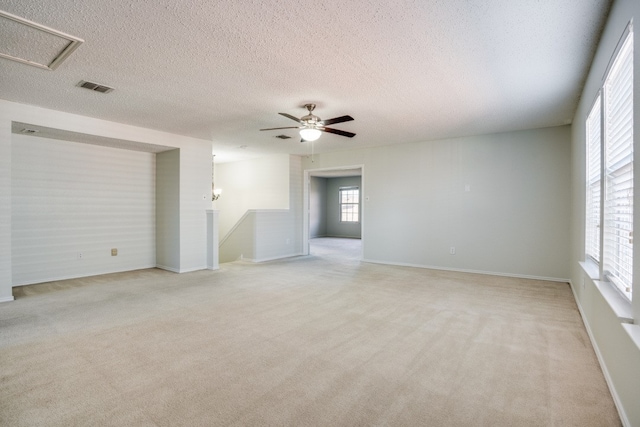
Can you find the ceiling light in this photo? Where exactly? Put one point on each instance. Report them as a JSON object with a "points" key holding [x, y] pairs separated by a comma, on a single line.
{"points": [[310, 134]]}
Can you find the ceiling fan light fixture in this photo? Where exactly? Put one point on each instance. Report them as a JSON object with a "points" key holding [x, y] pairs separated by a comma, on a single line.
{"points": [[310, 134]]}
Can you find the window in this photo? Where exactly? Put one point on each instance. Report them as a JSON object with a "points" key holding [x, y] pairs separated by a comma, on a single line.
{"points": [[609, 177], [349, 204], [592, 217], [618, 169]]}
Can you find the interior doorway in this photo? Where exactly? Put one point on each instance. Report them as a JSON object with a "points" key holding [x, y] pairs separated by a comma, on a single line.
{"points": [[334, 215]]}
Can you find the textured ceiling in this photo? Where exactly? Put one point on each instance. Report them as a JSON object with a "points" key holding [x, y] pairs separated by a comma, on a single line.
{"points": [[407, 70]]}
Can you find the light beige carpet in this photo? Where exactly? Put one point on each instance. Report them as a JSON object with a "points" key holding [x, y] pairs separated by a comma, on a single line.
{"points": [[323, 340]]}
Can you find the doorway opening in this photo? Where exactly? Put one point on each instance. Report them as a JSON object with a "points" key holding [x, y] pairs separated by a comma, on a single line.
{"points": [[334, 214]]}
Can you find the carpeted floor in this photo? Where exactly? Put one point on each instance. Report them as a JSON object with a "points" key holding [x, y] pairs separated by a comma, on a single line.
{"points": [[323, 340]]}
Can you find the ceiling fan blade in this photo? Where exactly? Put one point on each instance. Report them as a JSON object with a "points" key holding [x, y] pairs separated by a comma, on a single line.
{"points": [[288, 127], [335, 120], [338, 132], [289, 116]]}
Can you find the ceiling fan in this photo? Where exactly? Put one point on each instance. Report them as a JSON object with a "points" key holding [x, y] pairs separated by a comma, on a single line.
{"points": [[312, 126]]}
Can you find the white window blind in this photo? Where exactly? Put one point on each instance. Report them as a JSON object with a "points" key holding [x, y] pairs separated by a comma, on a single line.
{"points": [[592, 217], [349, 204], [618, 169]]}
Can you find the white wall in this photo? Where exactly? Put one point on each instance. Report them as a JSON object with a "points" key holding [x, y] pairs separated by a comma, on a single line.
{"points": [[317, 206], [241, 242], [167, 213], [261, 183], [195, 177], [195, 199], [618, 355], [514, 219], [73, 203], [5, 206], [266, 234]]}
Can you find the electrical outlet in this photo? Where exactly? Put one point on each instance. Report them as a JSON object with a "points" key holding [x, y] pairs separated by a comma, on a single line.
{"points": [[114, 252], [80, 255], [452, 250]]}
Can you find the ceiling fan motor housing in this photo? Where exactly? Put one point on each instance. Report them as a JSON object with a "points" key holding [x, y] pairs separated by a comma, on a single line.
{"points": [[310, 120]]}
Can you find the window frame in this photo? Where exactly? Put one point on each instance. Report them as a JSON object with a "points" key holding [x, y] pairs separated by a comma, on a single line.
{"points": [[614, 256], [355, 203], [594, 184]]}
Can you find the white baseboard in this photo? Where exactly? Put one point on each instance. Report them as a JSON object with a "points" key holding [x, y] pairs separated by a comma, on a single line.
{"points": [[7, 299], [603, 367], [461, 270], [274, 258], [164, 267], [180, 271], [79, 276], [191, 270]]}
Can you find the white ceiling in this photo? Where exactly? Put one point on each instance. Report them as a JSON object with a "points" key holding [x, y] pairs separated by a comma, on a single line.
{"points": [[406, 70]]}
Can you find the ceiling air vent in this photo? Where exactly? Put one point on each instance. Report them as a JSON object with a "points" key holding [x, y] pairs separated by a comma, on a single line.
{"points": [[94, 87], [283, 136]]}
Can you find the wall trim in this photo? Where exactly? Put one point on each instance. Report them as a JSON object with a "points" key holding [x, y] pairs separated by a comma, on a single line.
{"points": [[80, 276], [180, 271], [273, 258], [614, 394], [7, 299], [462, 270], [191, 270], [164, 267]]}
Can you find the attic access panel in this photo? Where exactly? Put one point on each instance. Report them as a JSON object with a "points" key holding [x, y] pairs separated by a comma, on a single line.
{"points": [[34, 44]]}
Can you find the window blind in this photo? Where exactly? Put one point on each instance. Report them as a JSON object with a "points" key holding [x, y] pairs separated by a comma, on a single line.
{"points": [[594, 146], [349, 204], [618, 152]]}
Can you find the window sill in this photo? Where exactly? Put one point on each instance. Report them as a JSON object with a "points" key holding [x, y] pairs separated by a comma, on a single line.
{"points": [[618, 303], [591, 269], [634, 333]]}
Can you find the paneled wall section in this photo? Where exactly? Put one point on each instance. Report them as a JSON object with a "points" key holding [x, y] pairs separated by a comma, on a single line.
{"points": [[72, 203]]}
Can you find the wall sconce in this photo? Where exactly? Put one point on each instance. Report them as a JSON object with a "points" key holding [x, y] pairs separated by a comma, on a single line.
{"points": [[215, 192]]}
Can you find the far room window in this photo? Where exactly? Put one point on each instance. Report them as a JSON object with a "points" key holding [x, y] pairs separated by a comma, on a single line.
{"points": [[349, 204]]}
